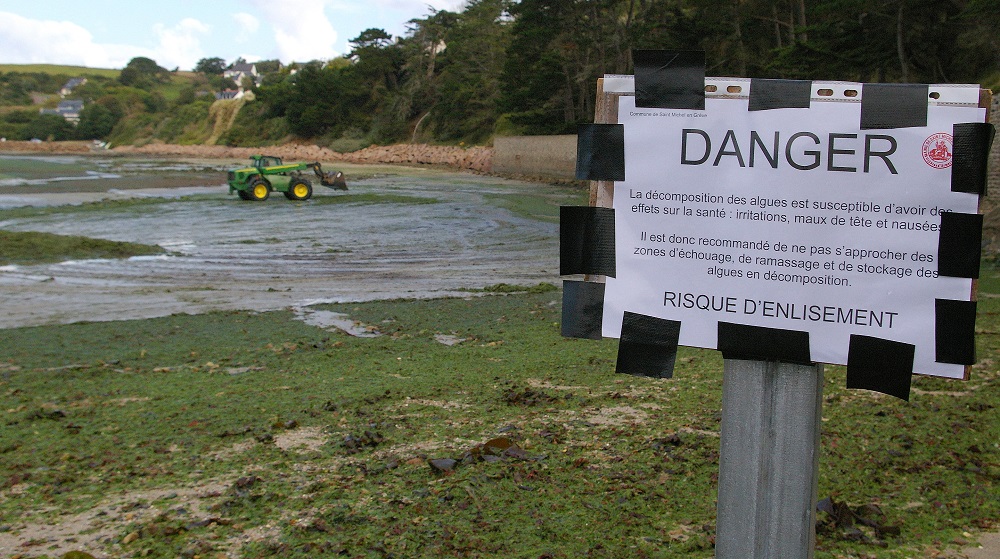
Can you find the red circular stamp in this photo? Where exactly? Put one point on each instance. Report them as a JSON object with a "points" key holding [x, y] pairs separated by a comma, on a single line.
{"points": [[937, 150]]}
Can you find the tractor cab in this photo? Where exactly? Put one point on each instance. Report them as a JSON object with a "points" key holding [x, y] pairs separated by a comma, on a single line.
{"points": [[262, 161]]}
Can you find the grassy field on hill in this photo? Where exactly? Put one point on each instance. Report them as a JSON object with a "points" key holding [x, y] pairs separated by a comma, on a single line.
{"points": [[57, 69]]}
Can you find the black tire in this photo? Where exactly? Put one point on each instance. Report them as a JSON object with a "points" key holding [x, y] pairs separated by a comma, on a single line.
{"points": [[258, 190], [243, 194], [299, 189]]}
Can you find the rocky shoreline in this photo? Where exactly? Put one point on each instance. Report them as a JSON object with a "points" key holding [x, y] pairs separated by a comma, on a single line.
{"points": [[477, 158]]}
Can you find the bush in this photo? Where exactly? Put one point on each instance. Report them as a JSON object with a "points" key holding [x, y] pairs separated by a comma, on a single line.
{"points": [[254, 126], [135, 130], [187, 124], [19, 117], [49, 127], [12, 131], [96, 122]]}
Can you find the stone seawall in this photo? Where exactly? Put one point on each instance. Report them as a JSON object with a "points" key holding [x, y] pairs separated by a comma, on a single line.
{"points": [[536, 156]]}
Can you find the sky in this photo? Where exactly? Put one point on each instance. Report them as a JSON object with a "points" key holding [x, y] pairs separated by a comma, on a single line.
{"points": [[179, 33]]}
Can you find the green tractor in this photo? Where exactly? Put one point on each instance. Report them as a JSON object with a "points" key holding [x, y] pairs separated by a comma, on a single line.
{"points": [[267, 173]]}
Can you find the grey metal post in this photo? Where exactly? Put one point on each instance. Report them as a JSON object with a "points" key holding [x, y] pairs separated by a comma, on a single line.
{"points": [[769, 460]]}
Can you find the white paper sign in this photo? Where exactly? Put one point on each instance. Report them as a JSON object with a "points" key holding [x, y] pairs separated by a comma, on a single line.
{"points": [[788, 218]]}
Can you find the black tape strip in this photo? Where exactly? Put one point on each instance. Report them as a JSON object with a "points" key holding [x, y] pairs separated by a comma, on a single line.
{"points": [[583, 309], [586, 240], [779, 94], [955, 331], [648, 346], [669, 79], [756, 343], [960, 245], [600, 152], [881, 365], [893, 105], [971, 143]]}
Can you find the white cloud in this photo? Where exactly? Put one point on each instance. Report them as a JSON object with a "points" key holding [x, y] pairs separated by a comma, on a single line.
{"points": [[180, 46], [247, 24], [302, 30], [29, 41], [421, 5], [251, 58]]}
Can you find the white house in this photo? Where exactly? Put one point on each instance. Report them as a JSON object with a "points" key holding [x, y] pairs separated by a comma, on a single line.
{"points": [[68, 109], [240, 71], [229, 94], [70, 85]]}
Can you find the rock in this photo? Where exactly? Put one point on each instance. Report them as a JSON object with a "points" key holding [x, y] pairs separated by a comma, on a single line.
{"points": [[443, 465]]}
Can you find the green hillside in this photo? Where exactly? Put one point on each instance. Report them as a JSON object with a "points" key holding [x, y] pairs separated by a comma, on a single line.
{"points": [[59, 70], [140, 103]]}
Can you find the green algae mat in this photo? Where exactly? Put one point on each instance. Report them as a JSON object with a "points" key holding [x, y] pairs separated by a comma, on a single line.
{"points": [[464, 427]]}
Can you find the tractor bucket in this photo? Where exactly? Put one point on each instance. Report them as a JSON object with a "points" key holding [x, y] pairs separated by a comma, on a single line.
{"points": [[334, 179]]}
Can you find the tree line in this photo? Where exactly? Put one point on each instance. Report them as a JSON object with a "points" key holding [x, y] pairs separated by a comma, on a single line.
{"points": [[530, 67], [506, 67]]}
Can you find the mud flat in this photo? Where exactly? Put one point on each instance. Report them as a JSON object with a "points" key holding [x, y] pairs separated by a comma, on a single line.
{"points": [[414, 233]]}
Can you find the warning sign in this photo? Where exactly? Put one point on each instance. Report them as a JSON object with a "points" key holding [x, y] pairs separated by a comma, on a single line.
{"points": [[791, 218]]}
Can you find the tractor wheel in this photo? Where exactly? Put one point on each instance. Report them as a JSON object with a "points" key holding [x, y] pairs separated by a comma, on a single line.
{"points": [[243, 194], [259, 189], [299, 189]]}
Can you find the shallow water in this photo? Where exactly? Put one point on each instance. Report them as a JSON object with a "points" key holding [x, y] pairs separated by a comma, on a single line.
{"points": [[230, 254]]}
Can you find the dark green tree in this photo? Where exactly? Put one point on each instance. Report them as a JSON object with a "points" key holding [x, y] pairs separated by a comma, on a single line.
{"points": [[535, 93], [422, 50], [220, 83], [317, 101], [889, 41], [12, 90], [20, 117], [12, 124], [210, 66], [377, 60], [96, 122], [49, 127], [558, 49], [473, 61], [143, 73], [268, 66], [372, 84]]}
